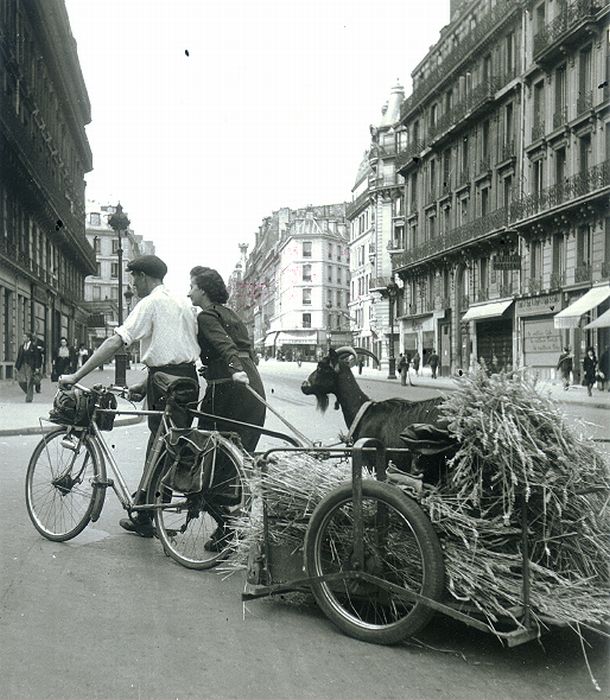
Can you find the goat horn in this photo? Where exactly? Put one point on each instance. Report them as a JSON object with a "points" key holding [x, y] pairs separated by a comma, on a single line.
{"points": [[347, 350], [368, 353]]}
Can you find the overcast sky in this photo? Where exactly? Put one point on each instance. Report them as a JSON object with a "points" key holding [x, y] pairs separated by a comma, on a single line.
{"points": [[270, 108]]}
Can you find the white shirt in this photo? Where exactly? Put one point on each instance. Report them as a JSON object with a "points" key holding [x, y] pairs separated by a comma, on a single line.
{"points": [[166, 326]]}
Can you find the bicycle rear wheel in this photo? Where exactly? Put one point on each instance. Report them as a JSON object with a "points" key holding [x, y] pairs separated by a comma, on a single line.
{"points": [[60, 484], [400, 547], [196, 531]]}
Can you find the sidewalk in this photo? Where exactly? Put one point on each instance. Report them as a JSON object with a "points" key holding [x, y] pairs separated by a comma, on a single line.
{"points": [[20, 418], [575, 395]]}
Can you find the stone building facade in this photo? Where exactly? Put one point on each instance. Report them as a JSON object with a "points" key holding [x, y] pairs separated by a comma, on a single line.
{"points": [[503, 145], [294, 288], [44, 155]]}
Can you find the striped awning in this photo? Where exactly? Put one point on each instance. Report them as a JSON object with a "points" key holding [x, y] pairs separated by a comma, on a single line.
{"points": [[571, 316]]}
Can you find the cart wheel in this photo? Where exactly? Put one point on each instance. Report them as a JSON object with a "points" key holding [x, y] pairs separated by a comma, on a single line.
{"points": [[399, 546]]}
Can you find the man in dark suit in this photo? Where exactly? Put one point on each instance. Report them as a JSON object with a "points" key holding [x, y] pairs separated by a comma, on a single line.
{"points": [[29, 363]]}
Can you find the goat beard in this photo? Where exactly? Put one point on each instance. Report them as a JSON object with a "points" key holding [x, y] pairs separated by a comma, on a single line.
{"points": [[322, 402]]}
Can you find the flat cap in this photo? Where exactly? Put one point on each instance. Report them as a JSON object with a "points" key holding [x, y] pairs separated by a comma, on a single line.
{"points": [[149, 265]]}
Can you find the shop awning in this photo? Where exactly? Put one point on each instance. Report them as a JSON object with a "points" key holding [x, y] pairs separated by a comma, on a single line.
{"points": [[285, 337], [570, 316], [602, 321], [491, 309]]}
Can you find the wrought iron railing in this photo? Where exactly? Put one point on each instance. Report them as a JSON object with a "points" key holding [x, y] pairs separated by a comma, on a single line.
{"points": [[534, 285], [560, 116], [557, 281], [410, 151], [356, 205], [596, 177], [583, 273], [538, 129], [457, 236], [584, 102], [569, 17], [492, 21]]}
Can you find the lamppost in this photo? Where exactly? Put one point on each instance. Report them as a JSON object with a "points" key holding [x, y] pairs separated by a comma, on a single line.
{"points": [[119, 223], [329, 337], [392, 289]]}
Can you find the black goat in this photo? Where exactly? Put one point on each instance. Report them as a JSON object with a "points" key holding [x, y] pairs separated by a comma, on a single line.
{"points": [[384, 420]]}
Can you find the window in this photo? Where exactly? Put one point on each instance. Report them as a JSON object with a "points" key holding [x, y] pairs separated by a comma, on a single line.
{"points": [[508, 124], [339, 298], [485, 139], [507, 187], [115, 245], [307, 273], [537, 176], [432, 179], [94, 219], [330, 273], [558, 254], [339, 280], [306, 320], [560, 167], [306, 297], [330, 251], [98, 271], [97, 244], [114, 270], [584, 78], [413, 188], [510, 52], [484, 201], [583, 246], [538, 117], [114, 293], [560, 95], [584, 152], [307, 249], [535, 259], [96, 292]]}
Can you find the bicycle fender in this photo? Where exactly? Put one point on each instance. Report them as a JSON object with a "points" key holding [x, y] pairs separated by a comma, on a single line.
{"points": [[100, 489]]}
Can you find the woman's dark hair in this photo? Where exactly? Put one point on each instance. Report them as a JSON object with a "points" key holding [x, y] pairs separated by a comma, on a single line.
{"points": [[211, 283], [63, 337]]}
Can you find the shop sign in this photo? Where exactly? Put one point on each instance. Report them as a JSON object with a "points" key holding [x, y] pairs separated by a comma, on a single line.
{"points": [[507, 262], [539, 305], [96, 321]]}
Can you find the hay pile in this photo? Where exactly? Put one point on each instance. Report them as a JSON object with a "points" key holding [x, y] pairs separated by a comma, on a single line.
{"points": [[517, 452], [291, 484]]}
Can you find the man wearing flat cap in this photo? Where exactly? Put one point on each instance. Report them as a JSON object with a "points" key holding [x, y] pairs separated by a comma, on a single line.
{"points": [[166, 327]]}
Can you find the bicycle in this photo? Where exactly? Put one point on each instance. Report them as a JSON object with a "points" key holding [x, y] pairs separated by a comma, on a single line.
{"points": [[66, 479]]}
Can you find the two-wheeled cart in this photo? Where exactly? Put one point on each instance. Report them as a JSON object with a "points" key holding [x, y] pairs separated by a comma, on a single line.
{"points": [[372, 559]]}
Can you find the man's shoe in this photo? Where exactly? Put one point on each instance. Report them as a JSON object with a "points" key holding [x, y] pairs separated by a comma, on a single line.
{"points": [[141, 527]]}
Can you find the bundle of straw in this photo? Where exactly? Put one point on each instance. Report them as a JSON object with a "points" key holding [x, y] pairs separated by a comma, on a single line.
{"points": [[291, 485], [516, 452]]}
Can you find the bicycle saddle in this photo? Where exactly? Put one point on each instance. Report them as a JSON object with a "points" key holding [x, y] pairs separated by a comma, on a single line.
{"points": [[179, 388]]}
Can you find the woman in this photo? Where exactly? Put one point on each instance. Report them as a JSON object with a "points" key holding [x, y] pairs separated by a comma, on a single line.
{"points": [[62, 362], [589, 365], [227, 355]]}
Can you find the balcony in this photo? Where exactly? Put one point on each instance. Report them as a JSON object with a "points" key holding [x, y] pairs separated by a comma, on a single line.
{"points": [[560, 117], [557, 281], [583, 273], [584, 102], [573, 22], [396, 245], [466, 110], [353, 208], [457, 237], [405, 157], [442, 303], [534, 285], [379, 284], [538, 130], [596, 177], [491, 22], [508, 151]]}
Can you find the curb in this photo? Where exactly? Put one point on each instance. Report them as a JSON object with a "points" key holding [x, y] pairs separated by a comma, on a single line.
{"points": [[577, 402], [38, 430]]}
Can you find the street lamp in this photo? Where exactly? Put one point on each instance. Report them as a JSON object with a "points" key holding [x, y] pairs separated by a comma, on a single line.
{"points": [[329, 338], [392, 290], [120, 223]]}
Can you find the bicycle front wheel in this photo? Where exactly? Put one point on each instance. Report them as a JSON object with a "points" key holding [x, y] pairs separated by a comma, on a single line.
{"points": [[60, 484], [399, 547], [197, 531]]}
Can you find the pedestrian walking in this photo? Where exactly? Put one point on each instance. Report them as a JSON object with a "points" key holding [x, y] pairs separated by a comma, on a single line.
{"points": [[589, 366], [604, 368], [565, 366], [416, 362], [360, 365], [433, 362], [166, 326], [403, 368], [62, 360], [28, 365]]}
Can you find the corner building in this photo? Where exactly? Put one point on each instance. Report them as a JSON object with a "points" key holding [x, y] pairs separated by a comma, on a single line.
{"points": [[503, 147], [44, 155]]}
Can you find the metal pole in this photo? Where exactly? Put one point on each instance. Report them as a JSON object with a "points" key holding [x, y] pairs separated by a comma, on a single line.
{"points": [[391, 358], [120, 362]]}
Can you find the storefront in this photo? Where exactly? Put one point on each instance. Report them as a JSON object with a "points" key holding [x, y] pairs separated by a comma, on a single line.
{"points": [[492, 330], [541, 342]]}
